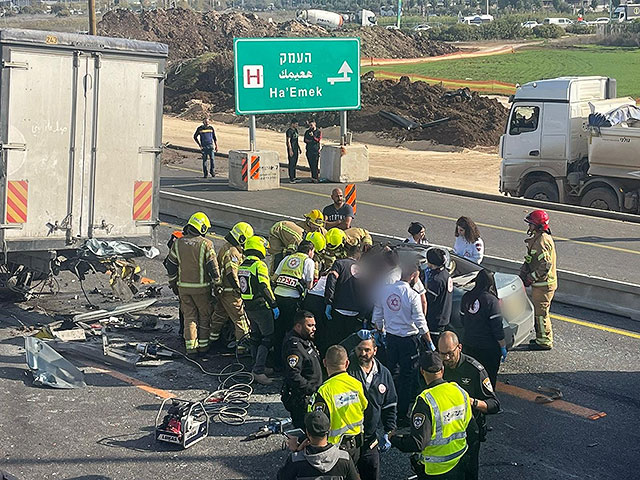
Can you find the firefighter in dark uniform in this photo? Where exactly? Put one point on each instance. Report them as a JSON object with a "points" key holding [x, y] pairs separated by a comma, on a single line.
{"points": [[439, 292], [303, 372], [468, 373]]}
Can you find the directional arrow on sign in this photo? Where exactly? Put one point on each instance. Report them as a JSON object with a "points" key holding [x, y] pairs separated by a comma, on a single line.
{"points": [[345, 70]]}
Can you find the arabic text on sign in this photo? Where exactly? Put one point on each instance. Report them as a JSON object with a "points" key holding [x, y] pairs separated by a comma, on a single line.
{"points": [[287, 75]]}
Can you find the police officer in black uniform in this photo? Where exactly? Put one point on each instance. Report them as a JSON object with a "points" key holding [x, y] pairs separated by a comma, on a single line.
{"points": [[380, 391], [439, 292], [469, 374], [302, 368]]}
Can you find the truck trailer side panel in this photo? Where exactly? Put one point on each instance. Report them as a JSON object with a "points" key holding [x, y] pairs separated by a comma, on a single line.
{"points": [[80, 128]]}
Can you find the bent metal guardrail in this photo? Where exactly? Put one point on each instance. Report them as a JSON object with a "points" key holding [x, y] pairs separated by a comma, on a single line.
{"points": [[594, 293]]}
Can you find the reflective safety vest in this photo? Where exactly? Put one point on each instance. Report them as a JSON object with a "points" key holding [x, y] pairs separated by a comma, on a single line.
{"points": [[191, 254], [346, 403], [290, 276], [251, 273], [450, 415]]}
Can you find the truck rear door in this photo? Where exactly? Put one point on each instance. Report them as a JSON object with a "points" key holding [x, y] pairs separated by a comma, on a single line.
{"points": [[38, 153], [127, 147]]}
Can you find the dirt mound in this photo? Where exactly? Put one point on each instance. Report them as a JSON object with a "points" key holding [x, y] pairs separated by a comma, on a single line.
{"points": [[190, 34], [478, 121]]}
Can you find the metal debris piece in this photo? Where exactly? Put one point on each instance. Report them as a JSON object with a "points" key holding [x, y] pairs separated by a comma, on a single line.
{"points": [[399, 120], [70, 335], [435, 122], [102, 352], [49, 367], [552, 392], [126, 308]]}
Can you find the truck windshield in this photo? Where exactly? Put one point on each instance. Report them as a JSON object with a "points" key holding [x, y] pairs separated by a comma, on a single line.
{"points": [[523, 120]]}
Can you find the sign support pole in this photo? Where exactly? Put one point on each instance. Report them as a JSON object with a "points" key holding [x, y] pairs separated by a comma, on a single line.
{"points": [[343, 127], [252, 133]]}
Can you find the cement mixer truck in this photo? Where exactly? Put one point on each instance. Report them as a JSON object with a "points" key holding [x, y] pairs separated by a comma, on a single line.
{"points": [[551, 152], [322, 18]]}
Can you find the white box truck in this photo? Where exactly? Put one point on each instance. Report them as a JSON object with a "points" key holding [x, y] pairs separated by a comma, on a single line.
{"points": [[549, 152], [80, 144]]}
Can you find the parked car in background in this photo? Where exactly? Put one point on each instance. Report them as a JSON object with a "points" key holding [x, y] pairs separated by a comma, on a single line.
{"points": [[392, 27], [422, 27], [529, 24], [562, 22], [600, 21], [582, 23]]}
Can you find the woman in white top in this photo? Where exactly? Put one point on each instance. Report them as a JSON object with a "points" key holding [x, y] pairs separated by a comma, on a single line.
{"points": [[417, 234], [468, 243]]}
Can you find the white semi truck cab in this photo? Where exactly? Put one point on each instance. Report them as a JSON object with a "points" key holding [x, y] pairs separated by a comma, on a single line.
{"points": [[550, 153]]}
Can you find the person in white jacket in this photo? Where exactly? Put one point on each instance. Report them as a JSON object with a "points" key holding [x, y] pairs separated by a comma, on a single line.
{"points": [[468, 243]]}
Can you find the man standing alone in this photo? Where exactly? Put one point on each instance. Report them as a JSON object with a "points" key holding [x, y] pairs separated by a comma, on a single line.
{"points": [[293, 149], [312, 138], [205, 137], [339, 214]]}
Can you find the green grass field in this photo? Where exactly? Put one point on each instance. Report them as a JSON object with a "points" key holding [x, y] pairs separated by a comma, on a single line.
{"points": [[536, 64]]}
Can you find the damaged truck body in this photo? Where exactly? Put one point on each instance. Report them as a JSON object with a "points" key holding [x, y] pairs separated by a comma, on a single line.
{"points": [[561, 146], [80, 138]]}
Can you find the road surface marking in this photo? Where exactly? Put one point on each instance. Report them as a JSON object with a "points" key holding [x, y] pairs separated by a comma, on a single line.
{"points": [[561, 405], [488, 225], [584, 323], [443, 217], [134, 381]]}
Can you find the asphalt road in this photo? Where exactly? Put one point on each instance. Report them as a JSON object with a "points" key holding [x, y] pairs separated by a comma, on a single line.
{"points": [[105, 431], [599, 247]]}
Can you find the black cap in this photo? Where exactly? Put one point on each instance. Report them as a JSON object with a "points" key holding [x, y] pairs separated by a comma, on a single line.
{"points": [[316, 424], [431, 362], [415, 228], [436, 256]]}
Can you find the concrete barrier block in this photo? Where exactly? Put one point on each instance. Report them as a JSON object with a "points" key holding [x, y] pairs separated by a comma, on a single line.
{"points": [[253, 171], [344, 164]]}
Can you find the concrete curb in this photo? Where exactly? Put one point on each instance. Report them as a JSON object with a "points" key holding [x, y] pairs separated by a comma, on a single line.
{"points": [[625, 217], [575, 289]]}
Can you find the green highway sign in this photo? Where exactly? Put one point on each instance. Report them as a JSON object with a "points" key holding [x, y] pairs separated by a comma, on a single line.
{"points": [[283, 75]]}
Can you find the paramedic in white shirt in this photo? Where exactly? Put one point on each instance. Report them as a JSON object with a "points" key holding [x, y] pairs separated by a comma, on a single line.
{"points": [[398, 311], [468, 243]]}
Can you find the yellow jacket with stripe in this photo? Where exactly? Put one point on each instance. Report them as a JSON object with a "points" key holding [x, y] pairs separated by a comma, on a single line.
{"points": [[540, 261], [192, 265]]}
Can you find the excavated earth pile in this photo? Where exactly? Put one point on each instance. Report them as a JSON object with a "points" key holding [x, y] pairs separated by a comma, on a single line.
{"points": [[200, 76], [190, 34]]}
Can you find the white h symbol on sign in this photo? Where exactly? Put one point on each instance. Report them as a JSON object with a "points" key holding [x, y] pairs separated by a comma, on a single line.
{"points": [[253, 76]]}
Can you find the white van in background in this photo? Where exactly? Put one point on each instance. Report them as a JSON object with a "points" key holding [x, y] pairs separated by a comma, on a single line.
{"points": [[562, 22]]}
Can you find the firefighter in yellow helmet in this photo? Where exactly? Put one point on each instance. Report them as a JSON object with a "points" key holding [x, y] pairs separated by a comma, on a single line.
{"points": [[284, 238], [259, 303], [313, 222], [193, 274], [335, 239], [319, 245], [230, 304]]}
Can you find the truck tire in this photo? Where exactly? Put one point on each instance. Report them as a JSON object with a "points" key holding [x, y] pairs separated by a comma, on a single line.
{"points": [[602, 199], [544, 191]]}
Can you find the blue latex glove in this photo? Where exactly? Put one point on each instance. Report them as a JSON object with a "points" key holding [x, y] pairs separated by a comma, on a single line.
{"points": [[504, 353], [276, 313], [327, 312], [432, 346], [385, 444]]}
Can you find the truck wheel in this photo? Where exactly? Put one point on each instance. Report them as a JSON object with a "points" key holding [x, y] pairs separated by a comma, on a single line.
{"points": [[544, 191], [600, 198]]}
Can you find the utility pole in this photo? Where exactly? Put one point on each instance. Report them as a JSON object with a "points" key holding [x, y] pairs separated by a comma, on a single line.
{"points": [[92, 17], [399, 12], [487, 7]]}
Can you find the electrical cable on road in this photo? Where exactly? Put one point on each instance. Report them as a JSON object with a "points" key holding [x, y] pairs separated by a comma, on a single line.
{"points": [[230, 402]]}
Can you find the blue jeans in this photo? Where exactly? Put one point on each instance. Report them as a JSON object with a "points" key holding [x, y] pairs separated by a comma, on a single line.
{"points": [[207, 152]]}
